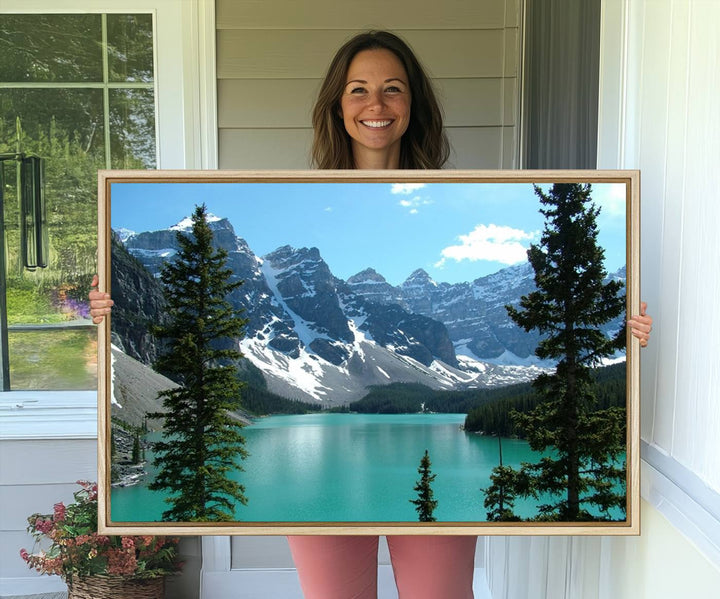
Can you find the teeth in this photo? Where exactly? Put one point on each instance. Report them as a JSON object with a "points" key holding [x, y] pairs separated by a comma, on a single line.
{"points": [[377, 123]]}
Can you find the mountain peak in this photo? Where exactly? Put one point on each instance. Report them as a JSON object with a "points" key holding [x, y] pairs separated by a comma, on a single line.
{"points": [[365, 276], [287, 255], [419, 278], [186, 223]]}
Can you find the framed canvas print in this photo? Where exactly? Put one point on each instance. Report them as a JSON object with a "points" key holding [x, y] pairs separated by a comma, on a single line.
{"points": [[369, 352]]}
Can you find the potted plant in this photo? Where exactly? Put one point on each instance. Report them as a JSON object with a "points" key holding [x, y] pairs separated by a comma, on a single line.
{"points": [[95, 566]]}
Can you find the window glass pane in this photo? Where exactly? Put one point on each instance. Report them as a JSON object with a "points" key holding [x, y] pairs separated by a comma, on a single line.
{"points": [[37, 48], [53, 117], [132, 128], [55, 359], [65, 128], [130, 47], [52, 341]]}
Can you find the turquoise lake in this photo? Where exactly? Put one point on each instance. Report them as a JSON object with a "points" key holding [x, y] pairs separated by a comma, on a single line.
{"points": [[352, 467]]}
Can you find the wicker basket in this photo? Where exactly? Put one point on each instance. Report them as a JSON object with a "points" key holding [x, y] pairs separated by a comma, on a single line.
{"points": [[116, 587]]}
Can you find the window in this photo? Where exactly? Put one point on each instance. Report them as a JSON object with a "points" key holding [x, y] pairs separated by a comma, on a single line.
{"points": [[78, 91]]}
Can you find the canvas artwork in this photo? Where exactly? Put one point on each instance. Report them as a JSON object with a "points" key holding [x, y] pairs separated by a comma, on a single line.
{"points": [[369, 352]]}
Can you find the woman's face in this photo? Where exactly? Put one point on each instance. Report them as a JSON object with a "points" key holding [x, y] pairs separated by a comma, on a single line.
{"points": [[375, 107]]}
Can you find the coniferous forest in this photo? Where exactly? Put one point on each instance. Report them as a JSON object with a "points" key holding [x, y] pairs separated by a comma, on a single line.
{"points": [[488, 410]]}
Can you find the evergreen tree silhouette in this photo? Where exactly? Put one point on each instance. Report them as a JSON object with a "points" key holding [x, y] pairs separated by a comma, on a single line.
{"points": [[425, 503], [583, 446], [201, 442]]}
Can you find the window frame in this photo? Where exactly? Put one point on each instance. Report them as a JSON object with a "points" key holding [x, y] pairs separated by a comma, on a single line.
{"points": [[185, 106], [185, 126]]}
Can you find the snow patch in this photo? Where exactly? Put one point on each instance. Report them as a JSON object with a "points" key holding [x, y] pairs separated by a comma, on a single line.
{"points": [[123, 234], [186, 223], [153, 254], [113, 399], [303, 372]]}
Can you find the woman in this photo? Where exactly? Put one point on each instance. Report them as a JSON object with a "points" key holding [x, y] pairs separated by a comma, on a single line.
{"points": [[376, 109]]}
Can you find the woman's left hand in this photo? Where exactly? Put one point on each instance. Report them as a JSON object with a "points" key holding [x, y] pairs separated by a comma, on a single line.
{"points": [[641, 325], [100, 302]]}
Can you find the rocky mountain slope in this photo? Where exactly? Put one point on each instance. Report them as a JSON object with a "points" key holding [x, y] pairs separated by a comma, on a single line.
{"points": [[315, 336]]}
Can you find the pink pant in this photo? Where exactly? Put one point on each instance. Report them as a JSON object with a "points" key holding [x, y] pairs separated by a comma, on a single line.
{"points": [[425, 567]]}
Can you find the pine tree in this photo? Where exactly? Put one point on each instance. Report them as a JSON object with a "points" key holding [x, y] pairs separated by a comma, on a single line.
{"points": [[425, 504], [201, 442], [584, 445], [500, 496], [136, 449]]}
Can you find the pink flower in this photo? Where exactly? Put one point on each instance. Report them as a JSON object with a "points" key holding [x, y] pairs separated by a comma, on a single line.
{"points": [[128, 543], [121, 562], [74, 554], [59, 512], [44, 526]]}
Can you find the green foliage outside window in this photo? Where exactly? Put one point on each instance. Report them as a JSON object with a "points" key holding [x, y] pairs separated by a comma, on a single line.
{"points": [[76, 90]]}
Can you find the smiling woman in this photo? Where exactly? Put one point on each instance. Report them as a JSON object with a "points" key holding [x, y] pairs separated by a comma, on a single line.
{"points": [[382, 71]]}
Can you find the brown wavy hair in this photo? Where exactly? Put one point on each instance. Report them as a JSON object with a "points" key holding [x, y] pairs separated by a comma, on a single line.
{"points": [[423, 146]]}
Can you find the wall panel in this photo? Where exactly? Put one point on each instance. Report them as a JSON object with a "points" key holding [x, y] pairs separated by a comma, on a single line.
{"points": [[331, 14], [288, 103], [271, 58], [291, 53], [265, 148], [475, 147]]}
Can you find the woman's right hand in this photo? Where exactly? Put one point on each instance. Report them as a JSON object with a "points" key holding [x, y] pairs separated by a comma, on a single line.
{"points": [[100, 303]]}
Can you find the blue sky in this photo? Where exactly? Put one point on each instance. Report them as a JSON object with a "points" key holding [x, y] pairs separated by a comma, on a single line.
{"points": [[455, 231]]}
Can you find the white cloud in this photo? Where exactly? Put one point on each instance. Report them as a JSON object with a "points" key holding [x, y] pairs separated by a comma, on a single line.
{"points": [[414, 203], [406, 188], [496, 243], [615, 203]]}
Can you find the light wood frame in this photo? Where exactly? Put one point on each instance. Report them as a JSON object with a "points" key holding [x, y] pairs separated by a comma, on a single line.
{"points": [[631, 526]]}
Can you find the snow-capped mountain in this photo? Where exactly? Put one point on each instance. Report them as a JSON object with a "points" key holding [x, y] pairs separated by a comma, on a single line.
{"points": [[316, 336], [473, 313]]}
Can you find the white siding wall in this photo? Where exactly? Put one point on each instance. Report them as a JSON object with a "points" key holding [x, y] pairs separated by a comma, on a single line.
{"points": [[47, 443], [272, 56], [660, 84]]}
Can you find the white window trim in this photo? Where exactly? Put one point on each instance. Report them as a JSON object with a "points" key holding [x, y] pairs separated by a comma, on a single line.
{"points": [[185, 88], [186, 128], [683, 498]]}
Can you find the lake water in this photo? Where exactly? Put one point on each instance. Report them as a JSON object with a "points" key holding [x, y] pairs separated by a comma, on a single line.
{"points": [[352, 467]]}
